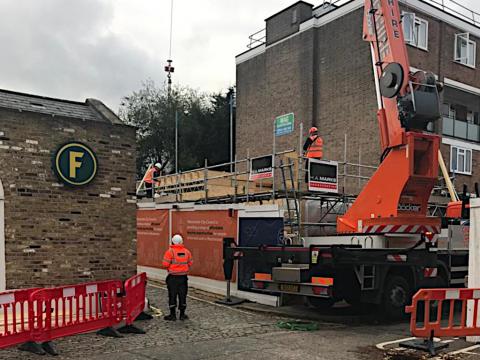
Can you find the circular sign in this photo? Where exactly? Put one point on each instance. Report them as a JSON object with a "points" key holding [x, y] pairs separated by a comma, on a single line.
{"points": [[75, 164]]}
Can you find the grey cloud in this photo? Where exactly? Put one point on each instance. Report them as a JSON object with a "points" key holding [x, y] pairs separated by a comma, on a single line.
{"points": [[64, 49]]}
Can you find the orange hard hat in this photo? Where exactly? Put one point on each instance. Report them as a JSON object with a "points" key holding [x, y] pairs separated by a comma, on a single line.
{"points": [[313, 130]]}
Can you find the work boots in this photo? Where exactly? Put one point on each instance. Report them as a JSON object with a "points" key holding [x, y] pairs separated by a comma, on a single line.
{"points": [[183, 316], [172, 316]]}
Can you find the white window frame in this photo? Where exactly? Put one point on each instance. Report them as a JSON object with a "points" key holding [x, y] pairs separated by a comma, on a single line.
{"points": [[452, 113], [416, 22], [461, 152], [465, 60], [470, 119]]}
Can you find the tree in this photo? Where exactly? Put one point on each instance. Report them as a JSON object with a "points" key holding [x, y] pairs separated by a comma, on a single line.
{"points": [[203, 126]]}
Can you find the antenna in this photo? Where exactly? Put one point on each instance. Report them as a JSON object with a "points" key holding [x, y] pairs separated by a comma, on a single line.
{"points": [[169, 69]]}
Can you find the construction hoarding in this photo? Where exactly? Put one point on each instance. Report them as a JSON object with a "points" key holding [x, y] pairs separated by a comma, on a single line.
{"points": [[152, 236], [202, 230], [203, 233]]}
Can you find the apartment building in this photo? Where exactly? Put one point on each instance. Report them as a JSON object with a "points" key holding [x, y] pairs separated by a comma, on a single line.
{"points": [[312, 61]]}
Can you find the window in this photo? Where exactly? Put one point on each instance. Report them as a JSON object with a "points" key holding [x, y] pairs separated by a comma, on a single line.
{"points": [[465, 49], [415, 30], [452, 113], [470, 117], [460, 160]]}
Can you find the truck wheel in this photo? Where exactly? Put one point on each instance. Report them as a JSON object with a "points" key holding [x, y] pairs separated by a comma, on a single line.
{"points": [[319, 303], [397, 294]]}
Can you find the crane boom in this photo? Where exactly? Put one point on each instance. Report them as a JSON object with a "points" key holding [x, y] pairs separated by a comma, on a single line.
{"points": [[396, 197]]}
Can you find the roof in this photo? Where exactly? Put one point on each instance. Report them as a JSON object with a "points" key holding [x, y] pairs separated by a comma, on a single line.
{"points": [[91, 109], [288, 7]]}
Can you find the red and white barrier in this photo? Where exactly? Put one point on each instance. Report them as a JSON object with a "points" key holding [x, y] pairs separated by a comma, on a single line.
{"points": [[134, 302], [443, 323], [16, 317], [42, 315], [71, 310]]}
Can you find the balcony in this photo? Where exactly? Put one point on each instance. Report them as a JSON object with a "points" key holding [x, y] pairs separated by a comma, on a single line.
{"points": [[461, 129]]}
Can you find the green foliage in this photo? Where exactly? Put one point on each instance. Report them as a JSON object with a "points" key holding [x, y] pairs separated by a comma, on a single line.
{"points": [[203, 126]]}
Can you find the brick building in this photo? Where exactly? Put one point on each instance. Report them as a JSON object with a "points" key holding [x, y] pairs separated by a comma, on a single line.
{"points": [[314, 63], [55, 233]]}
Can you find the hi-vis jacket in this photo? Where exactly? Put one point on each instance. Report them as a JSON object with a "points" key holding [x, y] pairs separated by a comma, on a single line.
{"points": [[314, 147], [150, 175], [177, 260]]}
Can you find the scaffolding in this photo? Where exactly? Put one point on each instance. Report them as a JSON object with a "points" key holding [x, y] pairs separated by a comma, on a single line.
{"points": [[306, 213]]}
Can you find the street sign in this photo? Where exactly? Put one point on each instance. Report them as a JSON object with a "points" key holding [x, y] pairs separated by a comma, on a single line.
{"points": [[261, 168], [284, 124], [322, 175]]}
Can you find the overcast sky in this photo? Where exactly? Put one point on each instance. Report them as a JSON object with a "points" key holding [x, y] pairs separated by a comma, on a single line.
{"points": [[75, 49]]}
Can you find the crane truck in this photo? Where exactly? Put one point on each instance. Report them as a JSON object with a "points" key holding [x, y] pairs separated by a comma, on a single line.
{"points": [[386, 245]]}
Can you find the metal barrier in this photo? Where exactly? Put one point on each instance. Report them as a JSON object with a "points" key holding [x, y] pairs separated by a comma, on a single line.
{"points": [[16, 317], [71, 310], [433, 315]]}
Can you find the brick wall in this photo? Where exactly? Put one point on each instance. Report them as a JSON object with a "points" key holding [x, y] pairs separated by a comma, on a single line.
{"points": [[347, 101], [56, 234], [272, 84], [287, 22]]}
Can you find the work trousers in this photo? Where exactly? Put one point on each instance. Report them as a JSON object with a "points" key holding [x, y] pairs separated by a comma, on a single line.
{"points": [[177, 287], [149, 190]]}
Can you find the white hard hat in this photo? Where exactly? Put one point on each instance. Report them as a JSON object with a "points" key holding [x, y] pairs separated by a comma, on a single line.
{"points": [[158, 165], [177, 239]]}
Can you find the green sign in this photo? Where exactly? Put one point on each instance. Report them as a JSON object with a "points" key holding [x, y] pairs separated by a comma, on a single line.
{"points": [[284, 124], [75, 164]]}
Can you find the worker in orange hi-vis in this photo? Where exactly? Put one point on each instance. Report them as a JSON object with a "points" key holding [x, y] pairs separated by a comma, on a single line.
{"points": [[149, 179], [178, 261], [313, 147]]}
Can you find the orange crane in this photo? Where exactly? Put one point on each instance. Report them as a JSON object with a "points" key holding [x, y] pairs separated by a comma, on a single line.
{"points": [[395, 199], [364, 263]]}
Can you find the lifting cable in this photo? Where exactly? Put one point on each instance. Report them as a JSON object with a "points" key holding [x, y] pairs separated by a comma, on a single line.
{"points": [[171, 30]]}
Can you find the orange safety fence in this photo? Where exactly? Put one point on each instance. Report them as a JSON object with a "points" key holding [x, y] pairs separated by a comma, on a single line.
{"points": [[40, 315], [433, 313]]}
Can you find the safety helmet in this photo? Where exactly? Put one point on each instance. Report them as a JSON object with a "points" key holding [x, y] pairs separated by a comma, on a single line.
{"points": [[158, 165], [313, 130], [177, 239]]}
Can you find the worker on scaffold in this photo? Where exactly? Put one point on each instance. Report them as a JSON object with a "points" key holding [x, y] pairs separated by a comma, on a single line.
{"points": [[312, 148], [149, 180], [178, 261]]}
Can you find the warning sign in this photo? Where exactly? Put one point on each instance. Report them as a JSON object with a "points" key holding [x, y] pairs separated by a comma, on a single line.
{"points": [[323, 175]]}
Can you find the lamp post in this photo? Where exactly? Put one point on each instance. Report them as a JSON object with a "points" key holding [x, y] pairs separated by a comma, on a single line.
{"points": [[176, 141], [185, 112]]}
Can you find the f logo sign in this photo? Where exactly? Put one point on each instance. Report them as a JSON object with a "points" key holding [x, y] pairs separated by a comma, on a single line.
{"points": [[75, 164]]}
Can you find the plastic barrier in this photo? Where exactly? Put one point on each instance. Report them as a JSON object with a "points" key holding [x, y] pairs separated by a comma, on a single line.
{"points": [[432, 314], [134, 302], [33, 316], [437, 321], [71, 310], [16, 317]]}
